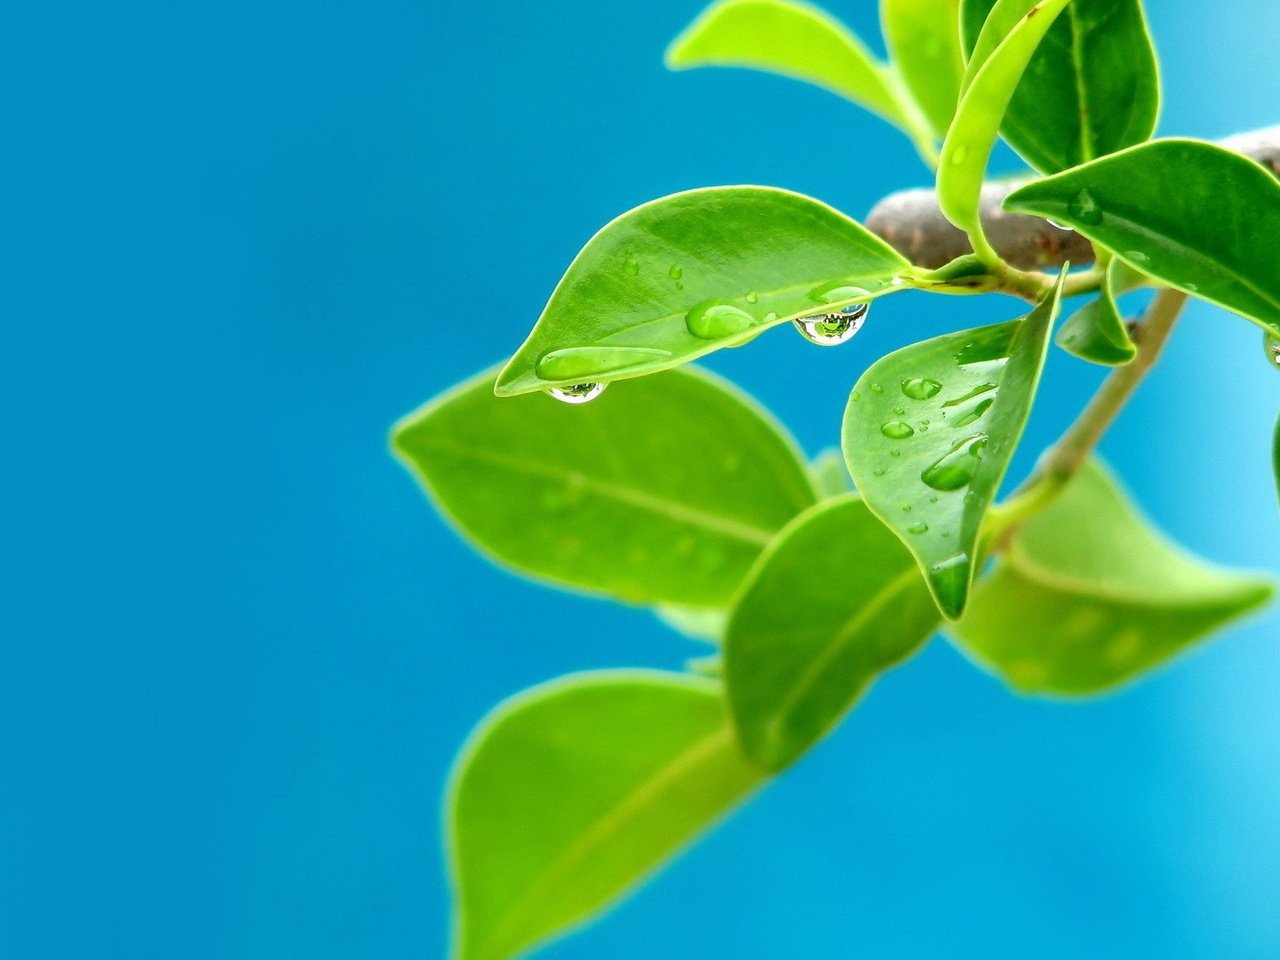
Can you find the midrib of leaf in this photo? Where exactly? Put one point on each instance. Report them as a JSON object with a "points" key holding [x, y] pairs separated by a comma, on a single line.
{"points": [[614, 820], [1082, 97], [725, 526], [848, 631]]}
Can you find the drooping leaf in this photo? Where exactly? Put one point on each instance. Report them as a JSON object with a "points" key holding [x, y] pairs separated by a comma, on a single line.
{"points": [[1091, 88], [696, 623], [569, 794], [1089, 596], [663, 490], [1192, 215], [800, 41], [1097, 332], [989, 84], [833, 602], [928, 434], [830, 475], [923, 37], [691, 273]]}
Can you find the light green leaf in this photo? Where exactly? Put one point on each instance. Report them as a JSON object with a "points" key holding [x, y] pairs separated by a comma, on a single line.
{"points": [[1097, 331], [663, 490], [573, 792], [696, 623], [928, 434], [923, 37], [830, 475], [1192, 215], [799, 41], [1092, 87], [1089, 595], [835, 601], [989, 85], [691, 273]]}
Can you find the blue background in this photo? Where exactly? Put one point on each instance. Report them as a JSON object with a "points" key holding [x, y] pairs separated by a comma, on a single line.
{"points": [[342, 209]]}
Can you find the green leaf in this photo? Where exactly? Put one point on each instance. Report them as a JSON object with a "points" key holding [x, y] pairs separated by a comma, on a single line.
{"points": [[1275, 456], [830, 475], [1192, 215], [1089, 595], [691, 273], [696, 623], [573, 792], [1097, 331], [799, 41], [924, 43], [835, 601], [988, 87], [929, 432], [1092, 87], [664, 490]]}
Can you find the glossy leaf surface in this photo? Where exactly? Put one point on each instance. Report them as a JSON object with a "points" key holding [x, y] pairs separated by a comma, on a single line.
{"points": [[1091, 88], [573, 792], [792, 39], [1097, 331], [928, 434], [1192, 215], [832, 603], [1089, 596], [989, 84], [663, 490], [923, 37], [691, 273]]}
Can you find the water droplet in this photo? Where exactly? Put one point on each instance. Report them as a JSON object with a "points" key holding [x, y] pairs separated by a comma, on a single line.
{"points": [[924, 427], [895, 453], [581, 364], [1084, 207], [921, 388], [675, 273], [1273, 349], [876, 388], [771, 316], [879, 471], [955, 469], [906, 508], [964, 410], [933, 499], [1136, 256], [897, 430], [833, 329], [577, 392], [918, 528], [951, 576], [630, 267], [855, 396], [752, 297], [717, 319], [1060, 226], [960, 154]]}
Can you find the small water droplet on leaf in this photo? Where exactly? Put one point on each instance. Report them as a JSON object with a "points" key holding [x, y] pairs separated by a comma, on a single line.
{"points": [[718, 319]]}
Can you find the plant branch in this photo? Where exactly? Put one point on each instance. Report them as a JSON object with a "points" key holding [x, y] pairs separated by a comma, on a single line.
{"points": [[911, 222]]}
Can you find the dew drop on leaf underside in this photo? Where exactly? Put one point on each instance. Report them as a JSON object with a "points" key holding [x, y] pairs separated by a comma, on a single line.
{"points": [[833, 329], [955, 469], [577, 392]]}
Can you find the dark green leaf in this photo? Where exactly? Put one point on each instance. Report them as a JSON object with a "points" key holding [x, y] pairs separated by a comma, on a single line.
{"points": [[832, 603], [1089, 595], [929, 432], [664, 490], [800, 41], [1192, 215], [1097, 331], [924, 42], [1092, 87], [691, 273], [830, 475], [989, 84], [571, 793]]}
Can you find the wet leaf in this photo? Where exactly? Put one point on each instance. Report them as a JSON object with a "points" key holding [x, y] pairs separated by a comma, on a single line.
{"points": [[570, 794], [691, 273], [1089, 596], [835, 601], [1191, 214], [929, 432], [664, 490]]}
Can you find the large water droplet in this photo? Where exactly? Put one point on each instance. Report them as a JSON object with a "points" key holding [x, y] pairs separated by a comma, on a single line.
{"points": [[897, 430], [717, 319], [581, 364], [577, 392], [921, 388], [955, 469], [964, 410], [832, 329], [1084, 207]]}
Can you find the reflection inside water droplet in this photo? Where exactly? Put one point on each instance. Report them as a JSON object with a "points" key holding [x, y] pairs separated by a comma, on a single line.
{"points": [[1060, 226], [577, 392], [833, 329]]}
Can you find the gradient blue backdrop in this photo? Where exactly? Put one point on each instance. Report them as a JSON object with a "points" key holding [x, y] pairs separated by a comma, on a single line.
{"points": [[346, 207]]}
